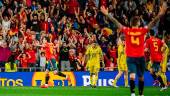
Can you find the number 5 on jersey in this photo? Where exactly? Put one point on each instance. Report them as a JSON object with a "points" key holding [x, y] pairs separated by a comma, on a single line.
{"points": [[155, 44]]}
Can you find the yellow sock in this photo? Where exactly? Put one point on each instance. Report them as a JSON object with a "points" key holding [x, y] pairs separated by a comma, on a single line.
{"points": [[115, 82], [95, 79], [165, 80], [163, 76], [91, 79], [126, 82]]}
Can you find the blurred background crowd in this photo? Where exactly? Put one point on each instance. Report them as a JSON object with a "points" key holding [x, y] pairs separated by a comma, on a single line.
{"points": [[70, 26]]}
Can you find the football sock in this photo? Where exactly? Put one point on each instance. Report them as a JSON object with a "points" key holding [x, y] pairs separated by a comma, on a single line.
{"points": [[164, 79], [47, 77], [126, 80], [132, 86], [154, 76], [96, 78], [61, 74], [141, 87], [116, 78], [115, 81], [161, 81], [91, 79]]}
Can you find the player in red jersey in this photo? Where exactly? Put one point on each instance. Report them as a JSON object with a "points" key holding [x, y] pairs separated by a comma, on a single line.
{"points": [[134, 42], [155, 45], [48, 48]]}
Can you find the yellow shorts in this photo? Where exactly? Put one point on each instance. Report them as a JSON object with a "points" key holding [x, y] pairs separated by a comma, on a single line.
{"points": [[93, 67], [122, 67]]}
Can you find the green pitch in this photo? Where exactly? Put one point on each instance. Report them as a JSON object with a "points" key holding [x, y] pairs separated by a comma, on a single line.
{"points": [[77, 91]]}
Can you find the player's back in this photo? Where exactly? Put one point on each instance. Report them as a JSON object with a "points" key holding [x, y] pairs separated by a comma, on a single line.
{"points": [[155, 45], [134, 38]]}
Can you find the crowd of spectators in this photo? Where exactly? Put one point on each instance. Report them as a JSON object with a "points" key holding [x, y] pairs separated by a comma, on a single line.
{"points": [[70, 26]]}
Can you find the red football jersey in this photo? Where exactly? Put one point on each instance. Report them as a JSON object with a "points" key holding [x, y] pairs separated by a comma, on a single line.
{"points": [[155, 45], [32, 53], [134, 38], [48, 51]]}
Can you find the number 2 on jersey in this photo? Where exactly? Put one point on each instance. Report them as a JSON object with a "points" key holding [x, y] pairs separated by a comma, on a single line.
{"points": [[135, 40]]}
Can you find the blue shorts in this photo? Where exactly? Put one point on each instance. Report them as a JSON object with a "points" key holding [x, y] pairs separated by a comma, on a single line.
{"points": [[136, 65], [52, 65]]}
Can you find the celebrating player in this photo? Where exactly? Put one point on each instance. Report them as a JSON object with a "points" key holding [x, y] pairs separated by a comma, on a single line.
{"points": [[134, 38], [93, 56], [48, 48], [154, 45], [121, 61]]}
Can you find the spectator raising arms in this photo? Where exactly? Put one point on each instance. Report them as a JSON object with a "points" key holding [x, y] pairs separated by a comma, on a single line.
{"points": [[23, 59]]}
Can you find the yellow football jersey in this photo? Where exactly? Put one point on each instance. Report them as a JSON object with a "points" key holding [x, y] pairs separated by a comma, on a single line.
{"points": [[121, 61], [94, 55]]}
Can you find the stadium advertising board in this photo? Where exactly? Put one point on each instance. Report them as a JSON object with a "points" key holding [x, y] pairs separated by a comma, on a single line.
{"points": [[38, 79], [15, 78], [77, 79]]}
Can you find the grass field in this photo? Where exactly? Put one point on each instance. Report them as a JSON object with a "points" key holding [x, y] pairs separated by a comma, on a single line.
{"points": [[77, 91]]}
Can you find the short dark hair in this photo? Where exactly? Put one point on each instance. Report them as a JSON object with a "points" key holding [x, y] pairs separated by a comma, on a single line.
{"points": [[122, 37], [152, 32], [134, 20], [42, 53], [47, 38]]}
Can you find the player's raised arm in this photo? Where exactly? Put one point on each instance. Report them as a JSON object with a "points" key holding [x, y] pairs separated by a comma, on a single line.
{"points": [[162, 11], [114, 20]]}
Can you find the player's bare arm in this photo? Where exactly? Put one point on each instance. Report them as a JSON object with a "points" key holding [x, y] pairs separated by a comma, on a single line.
{"points": [[164, 47], [162, 11], [114, 20]]}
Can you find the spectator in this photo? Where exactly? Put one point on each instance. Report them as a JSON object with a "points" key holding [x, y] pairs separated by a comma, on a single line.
{"points": [[35, 24], [32, 53], [5, 24], [33, 6], [64, 57], [80, 62], [129, 5], [42, 61], [11, 66], [23, 59], [72, 5], [113, 54], [4, 56]]}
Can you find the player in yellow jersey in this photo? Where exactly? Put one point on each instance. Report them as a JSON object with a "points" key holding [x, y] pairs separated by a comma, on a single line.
{"points": [[93, 56], [121, 61], [164, 65]]}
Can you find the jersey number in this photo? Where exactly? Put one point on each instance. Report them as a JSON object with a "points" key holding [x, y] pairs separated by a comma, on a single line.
{"points": [[155, 44], [135, 40]]}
